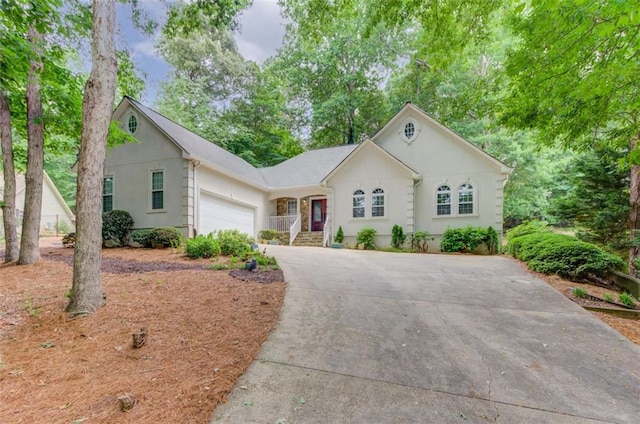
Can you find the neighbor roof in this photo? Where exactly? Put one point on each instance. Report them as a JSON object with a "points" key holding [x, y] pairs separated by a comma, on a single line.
{"points": [[308, 168], [200, 147]]}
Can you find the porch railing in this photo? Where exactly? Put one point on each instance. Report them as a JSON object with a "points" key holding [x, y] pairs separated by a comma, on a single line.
{"points": [[295, 229], [282, 223], [326, 233]]}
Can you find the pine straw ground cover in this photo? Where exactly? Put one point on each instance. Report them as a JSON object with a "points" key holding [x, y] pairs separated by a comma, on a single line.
{"points": [[204, 329]]}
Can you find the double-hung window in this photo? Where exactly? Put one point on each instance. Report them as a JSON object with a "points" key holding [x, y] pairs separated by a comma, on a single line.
{"points": [[377, 202], [465, 199], [292, 207], [107, 194], [157, 190], [358, 204], [443, 200]]}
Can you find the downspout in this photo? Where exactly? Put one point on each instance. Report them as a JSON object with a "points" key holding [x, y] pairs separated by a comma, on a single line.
{"points": [[415, 191], [196, 163]]}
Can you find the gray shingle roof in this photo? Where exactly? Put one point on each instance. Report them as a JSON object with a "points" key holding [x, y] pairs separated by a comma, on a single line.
{"points": [[307, 168], [201, 148]]}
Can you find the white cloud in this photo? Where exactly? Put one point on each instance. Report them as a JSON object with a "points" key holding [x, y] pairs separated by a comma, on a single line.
{"points": [[261, 30]]}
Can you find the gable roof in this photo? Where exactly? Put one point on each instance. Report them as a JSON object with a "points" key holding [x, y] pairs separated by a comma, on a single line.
{"points": [[308, 168], [21, 186], [198, 147], [367, 142], [454, 135]]}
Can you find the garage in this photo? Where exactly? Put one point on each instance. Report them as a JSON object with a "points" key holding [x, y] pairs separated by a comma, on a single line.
{"points": [[216, 213]]}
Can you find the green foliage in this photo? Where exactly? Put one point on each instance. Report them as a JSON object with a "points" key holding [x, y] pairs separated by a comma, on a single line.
{"points": [[580, 292], [367, 238], [397, 236], [420, 240], [596, 199], [165, 237], [233, 242], [339, 235], [552, 253], [491, 240], [530, 227], [467, 239], [142, 236], [116, 225], [268, 234], [607, 297], [202, 247], [626, 299]]}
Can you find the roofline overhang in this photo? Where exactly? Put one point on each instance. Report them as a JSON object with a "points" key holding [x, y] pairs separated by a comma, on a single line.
{"points": [[223, 171]]}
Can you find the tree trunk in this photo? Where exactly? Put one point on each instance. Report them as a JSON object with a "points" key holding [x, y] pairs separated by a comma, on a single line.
{"points": [[29, 249], [9, 196], [97, 104], [634, 216]]}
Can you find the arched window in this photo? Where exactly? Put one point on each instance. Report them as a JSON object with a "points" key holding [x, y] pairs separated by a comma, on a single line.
{"points": [[443, 200], [377, 202], [132, 124], [358, 204], [465, 199]]}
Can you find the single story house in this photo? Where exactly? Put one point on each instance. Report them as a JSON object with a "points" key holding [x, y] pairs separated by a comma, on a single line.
{"points": [[414, 172], [56, 217]]}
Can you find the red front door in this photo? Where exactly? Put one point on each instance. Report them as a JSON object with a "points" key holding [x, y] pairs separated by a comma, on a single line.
{"points": [[318, 214]]}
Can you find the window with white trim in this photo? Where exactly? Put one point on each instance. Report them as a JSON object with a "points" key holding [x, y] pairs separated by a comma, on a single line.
{"points": [[409, 130], [377, 202], [107, 194], [132, 124], [465, 199], [157, 190], [358, 204], [443, 200], [292, 206]]}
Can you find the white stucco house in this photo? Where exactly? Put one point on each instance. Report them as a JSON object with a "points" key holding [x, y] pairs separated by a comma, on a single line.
{"points": [[56, 217], [414, 172]]}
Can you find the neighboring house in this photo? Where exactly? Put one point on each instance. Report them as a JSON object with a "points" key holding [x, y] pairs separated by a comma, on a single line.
{"points": [[56, 217], [415, 172]]}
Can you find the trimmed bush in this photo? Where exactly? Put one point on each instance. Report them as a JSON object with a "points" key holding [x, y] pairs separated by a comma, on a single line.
{"points": [[367, 238], [165, 237], [465, 239], [339, 235], [560, 254], [116, 225], [268, 234], [528, 228], [202, 247], [233, 242], [142, 236], [397, 236]]}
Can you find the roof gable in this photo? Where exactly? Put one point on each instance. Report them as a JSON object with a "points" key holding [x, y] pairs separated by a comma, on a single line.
{"points": [[197, 147], [410, 108]]}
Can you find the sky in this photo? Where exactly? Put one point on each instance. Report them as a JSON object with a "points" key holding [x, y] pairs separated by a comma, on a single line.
{"points": [[258, 37]]}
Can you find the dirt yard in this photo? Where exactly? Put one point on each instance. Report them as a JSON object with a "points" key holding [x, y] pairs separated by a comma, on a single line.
{"points": [[204, 329]]}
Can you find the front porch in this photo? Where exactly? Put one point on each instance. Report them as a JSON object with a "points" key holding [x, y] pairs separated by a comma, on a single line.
{"points": [[303, 219]]}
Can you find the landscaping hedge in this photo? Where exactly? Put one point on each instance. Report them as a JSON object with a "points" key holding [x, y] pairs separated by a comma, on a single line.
{"points": [[560, 254], [467, 239]]}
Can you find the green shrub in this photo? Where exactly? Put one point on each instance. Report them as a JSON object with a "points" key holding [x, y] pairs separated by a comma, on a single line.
{"points": [[552, 253], [528, 228], [491, 240], [462, 239], [202, 247], [607, 297], [233, 242], [580, 292], [397, 236], [420, 241], [142, 237], [268, 234], [116, 225], [626, 299], [367, 238], [339, 235], [165, 236]]}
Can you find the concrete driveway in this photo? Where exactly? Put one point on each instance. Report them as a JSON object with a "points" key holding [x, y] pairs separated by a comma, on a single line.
{"points": [[373, 337]]}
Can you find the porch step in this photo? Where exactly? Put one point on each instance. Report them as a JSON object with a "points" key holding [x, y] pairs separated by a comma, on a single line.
{"points": [[309, 238]]}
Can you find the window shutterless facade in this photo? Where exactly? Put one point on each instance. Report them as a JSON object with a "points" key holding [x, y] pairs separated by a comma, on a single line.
{"points": [[157, 190], [358, 204], [107, 194]]}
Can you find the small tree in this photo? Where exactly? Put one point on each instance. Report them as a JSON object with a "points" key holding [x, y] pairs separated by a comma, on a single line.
{"points": [[397, 236], [367, 238], [339, 235]]}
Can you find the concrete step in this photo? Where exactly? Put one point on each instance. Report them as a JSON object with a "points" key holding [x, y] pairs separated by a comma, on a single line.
{"points": [[310, 238]]}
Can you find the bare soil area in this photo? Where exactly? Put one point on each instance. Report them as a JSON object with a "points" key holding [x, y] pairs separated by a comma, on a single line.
{"points": [[204, 329]]}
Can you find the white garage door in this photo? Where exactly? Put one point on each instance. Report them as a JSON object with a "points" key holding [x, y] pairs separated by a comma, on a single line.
{"points": [[220, 214]]}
